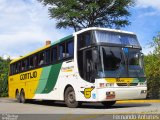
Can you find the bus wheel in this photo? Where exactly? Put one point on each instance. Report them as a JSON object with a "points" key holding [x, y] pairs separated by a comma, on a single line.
{"points": [[70, 98], [108, 103], [22, 96], [17, 96]]}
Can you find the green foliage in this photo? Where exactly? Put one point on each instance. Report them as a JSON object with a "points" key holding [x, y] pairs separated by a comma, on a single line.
{"points": [[4, 68], [152, 69], [80, 14]]}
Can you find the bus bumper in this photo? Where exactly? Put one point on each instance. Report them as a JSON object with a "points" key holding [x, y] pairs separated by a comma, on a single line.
{"points": [[113, 94]]}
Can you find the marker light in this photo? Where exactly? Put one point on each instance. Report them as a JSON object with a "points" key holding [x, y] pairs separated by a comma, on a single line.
{"points": [[104, 85]]}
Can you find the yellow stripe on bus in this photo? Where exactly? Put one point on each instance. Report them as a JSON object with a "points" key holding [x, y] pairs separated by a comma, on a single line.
{"points": [[119, 80], [15, 60], [27, 80]]}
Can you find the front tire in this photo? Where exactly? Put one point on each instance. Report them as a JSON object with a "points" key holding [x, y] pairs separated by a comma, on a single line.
{"points": [[70, 98], [108, 103]]}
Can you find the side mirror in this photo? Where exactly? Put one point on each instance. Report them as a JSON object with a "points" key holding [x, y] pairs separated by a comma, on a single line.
{"points": [[95, 55], [142, 56]]}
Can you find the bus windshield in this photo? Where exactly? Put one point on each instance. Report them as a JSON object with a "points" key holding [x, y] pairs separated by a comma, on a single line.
{"points": [[120, 62], [112, 62], [116, 38], [135, 63]]}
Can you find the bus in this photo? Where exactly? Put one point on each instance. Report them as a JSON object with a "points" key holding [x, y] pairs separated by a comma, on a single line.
{"points": [[91, 65]]}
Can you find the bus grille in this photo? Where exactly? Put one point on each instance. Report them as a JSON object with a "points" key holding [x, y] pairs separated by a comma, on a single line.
{"points": [[126, 84]]}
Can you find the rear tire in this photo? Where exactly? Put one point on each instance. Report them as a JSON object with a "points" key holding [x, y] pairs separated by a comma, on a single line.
{"points": [[70, 98], [17, 96], [108, 103], [22, 97]]}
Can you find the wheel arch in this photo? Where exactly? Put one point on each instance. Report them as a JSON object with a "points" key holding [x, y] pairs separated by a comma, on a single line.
{"points": [[22, 90], [16, 92], [67, 86]]}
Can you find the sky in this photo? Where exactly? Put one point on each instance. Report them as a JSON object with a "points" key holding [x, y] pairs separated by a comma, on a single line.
{"points": [[25, 25]]}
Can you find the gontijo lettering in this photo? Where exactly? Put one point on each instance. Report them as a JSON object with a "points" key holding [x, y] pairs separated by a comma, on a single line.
{"points": [[29, 75]]}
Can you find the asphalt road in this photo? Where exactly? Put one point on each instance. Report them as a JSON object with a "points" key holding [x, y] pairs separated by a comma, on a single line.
{"points": [[42, 107]]}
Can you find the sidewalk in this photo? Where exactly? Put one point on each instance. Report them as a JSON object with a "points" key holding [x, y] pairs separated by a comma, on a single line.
{"points": [[122, 101]]}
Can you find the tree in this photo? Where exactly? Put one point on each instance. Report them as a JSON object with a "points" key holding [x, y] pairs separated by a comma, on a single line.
{"points": [[4, 68], [80, 14], [152, 69]]}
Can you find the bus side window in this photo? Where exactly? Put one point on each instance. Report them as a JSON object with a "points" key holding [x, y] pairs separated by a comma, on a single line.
{"points": [[84, 40], [14, 69], [35, 60], [54, 54], [69, 49], [11, 69], [18, 65], [26, 63], [23, 65], [41, 59], [48, 56], [31, 62], [62, 53], [88, 39]]}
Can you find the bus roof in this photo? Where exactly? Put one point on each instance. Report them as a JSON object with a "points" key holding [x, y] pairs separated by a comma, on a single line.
{"points": [[65, 38], [40, 49], [104, 29]]}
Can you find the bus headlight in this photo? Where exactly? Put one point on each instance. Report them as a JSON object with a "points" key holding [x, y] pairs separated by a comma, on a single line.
{"points": [[104, 85], [143, 91]]}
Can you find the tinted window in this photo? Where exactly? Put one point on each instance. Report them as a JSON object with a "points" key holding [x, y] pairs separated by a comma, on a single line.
{"points": [[41, 59], [23, 67], [116, 38], [111, 57], [84, 39], [112, 62], [48, 56], [11, 69], [57, 53], [69, 49], [14, 68], [62, 53], [54, 54], [18, 67], [25, 64], [31, 62], [35, 60]]}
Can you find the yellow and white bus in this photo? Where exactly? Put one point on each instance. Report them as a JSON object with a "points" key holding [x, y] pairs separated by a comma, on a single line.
{"points": [[91, 65]]}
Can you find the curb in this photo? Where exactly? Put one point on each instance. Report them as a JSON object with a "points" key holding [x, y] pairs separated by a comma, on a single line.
{"points": [[139, 101]]}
